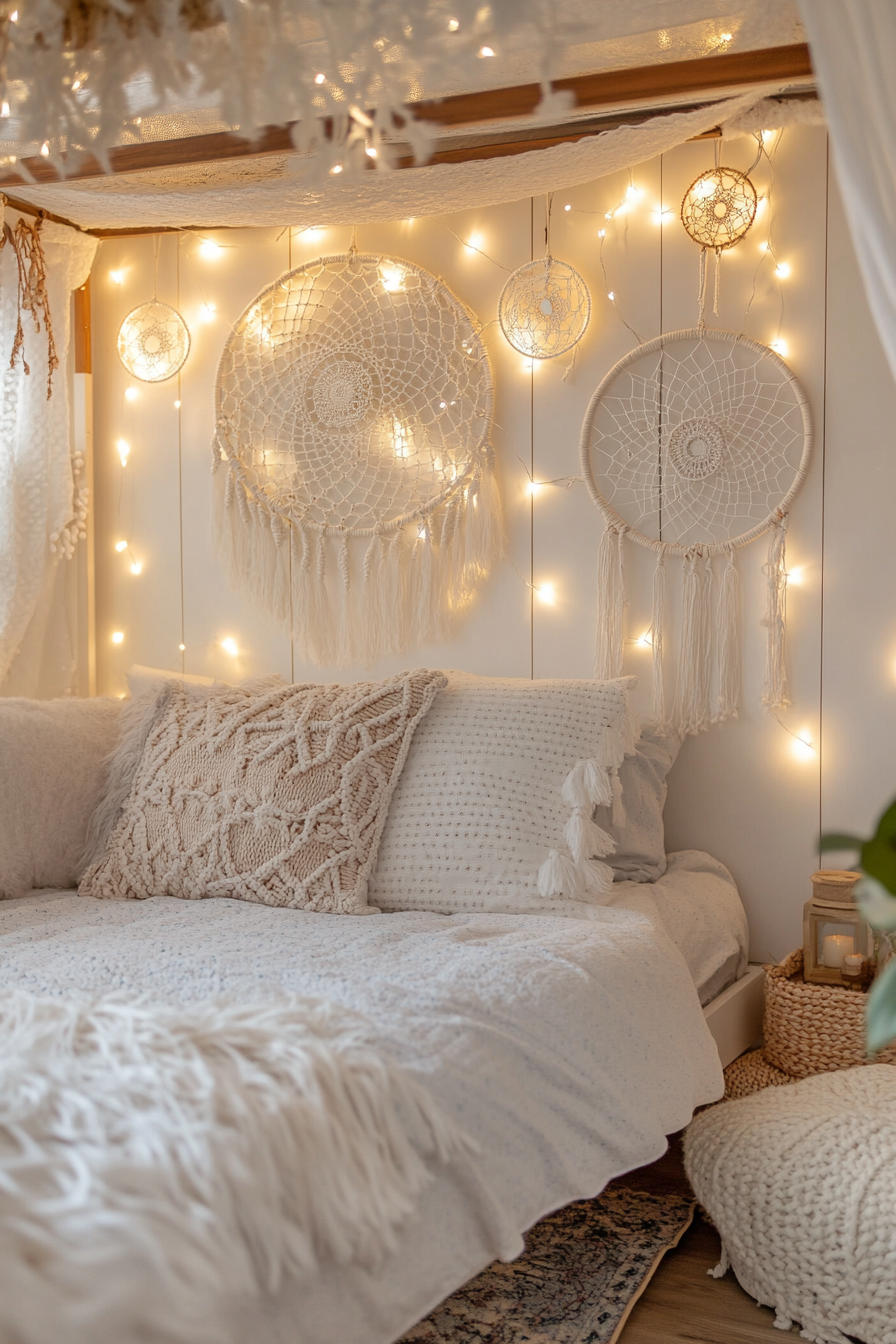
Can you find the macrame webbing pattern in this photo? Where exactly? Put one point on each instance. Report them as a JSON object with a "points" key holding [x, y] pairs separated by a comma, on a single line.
{"points": [[355, 497]]}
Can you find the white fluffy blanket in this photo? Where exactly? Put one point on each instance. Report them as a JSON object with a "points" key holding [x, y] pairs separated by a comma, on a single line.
{"points": [[151, 1156]]}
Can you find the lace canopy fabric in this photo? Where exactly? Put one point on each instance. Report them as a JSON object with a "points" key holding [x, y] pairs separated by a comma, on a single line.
{"points": [[694, 445], [354, 400]]}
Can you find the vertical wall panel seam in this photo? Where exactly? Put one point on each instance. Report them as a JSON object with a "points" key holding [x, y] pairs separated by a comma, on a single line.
{"points": [[824, 445], [180, 475], [531, 471]]}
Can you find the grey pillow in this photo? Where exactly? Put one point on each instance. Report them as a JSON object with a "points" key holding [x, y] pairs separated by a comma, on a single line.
{"points": [[641, 843], [52, 776]]}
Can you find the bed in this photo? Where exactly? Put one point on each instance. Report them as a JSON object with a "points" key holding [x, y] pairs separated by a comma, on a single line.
{"points": [[565, 1049]]}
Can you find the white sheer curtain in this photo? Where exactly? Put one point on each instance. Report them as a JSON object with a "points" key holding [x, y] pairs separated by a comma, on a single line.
{"points": [[853, 44], [37, 478]]}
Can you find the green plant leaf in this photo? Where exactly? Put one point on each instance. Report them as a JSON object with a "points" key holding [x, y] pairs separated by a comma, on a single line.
{"points": [[878, 906], [837, 840], [880, 1013], [879, 861]]}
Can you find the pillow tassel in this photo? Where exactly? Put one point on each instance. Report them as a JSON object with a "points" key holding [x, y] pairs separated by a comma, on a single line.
{"points": [[585, 838], [596, 879], [587, 782], [619, 817], [558, 876]]}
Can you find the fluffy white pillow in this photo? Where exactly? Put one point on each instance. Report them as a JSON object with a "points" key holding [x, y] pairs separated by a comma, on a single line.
{"points": [[51, 779], [493, 809], [640, 853]]}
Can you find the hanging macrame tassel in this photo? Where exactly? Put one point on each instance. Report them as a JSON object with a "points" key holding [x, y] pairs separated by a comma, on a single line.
{"points": [[302, 591], [322, 631], [701, 288], [610, 605], [393, 562], [774, 692], [718, 285], [659, 611], [485, 527], [729, 649], [694, 665], [346, 621], [371, 607]]}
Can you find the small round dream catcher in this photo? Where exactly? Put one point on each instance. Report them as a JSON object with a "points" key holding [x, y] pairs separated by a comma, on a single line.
{"points": [[695, 444], [153, 342], [544, 308], [356, 498], [719, 208]]}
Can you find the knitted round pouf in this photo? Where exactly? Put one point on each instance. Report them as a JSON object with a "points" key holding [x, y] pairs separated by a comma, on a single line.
{"points": [[801, 1183]]}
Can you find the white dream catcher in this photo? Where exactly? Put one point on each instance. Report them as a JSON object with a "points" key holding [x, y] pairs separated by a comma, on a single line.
{"points": [[695, 444], [356, 498], [545, 307]]}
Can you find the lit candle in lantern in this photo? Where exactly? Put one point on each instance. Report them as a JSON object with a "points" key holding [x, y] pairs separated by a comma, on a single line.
{"points": [[834, 948]]}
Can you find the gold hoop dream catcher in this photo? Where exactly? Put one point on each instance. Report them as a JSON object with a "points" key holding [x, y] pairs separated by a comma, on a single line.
{"points": [[356, 499], [694, 445], [544, 308], [717, 211], [153, 342]]}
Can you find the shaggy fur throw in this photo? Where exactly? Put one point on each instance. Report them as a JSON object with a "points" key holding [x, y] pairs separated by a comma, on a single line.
{"points": [[155, 1161]]}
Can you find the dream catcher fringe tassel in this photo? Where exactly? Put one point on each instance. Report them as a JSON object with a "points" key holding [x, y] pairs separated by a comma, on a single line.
{"points": [[351, 598], [695, 445], [355, 498]]}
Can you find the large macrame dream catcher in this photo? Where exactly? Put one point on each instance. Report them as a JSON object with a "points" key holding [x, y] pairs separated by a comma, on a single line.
{"points": [[356, 499], [695, 444]]}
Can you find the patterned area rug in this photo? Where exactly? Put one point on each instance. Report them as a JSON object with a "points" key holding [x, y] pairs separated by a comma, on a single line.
{"points": [[582, 1271]]}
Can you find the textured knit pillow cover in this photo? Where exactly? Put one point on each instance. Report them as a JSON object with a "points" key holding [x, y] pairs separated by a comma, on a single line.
{"points": [[278, 796], [640, 853], [51, 779], [494, 807]]}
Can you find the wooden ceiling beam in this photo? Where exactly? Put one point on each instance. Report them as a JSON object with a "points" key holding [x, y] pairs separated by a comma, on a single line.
{"points": [[673, 81]]}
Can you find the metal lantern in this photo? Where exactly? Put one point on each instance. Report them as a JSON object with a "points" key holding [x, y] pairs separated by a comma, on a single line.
{"points": [[719, 207], [837, 947]]}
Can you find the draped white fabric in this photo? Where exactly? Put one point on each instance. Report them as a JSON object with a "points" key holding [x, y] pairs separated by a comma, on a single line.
{"points": [[37, 482], [853, 44]]}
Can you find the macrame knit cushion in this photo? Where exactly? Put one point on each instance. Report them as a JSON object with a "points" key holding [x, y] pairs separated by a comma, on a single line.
{"points": [[355, 497], [494, 808], [278, 797], [801, 1183]]}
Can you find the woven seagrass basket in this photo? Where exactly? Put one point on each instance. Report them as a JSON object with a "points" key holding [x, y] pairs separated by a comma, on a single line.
{"points": [[750, 1073], [813, 1028]]}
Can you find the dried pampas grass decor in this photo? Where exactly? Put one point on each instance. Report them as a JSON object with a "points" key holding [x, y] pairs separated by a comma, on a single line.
{"points": [[355, 496]]}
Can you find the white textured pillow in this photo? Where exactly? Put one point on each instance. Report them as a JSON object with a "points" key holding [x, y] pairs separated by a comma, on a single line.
{"points": [[276, 795], [51, 779], [493, 809], [640, 853]]}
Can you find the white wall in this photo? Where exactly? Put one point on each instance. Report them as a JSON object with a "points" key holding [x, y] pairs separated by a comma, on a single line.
{"points": [[740, 790]]}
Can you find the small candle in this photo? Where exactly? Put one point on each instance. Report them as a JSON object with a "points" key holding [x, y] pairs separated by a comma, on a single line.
{"points": [[853, 963], [834, 948]]}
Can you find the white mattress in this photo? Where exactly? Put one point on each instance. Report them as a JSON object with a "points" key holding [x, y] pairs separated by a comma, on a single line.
{"points": [[566, 1050]]}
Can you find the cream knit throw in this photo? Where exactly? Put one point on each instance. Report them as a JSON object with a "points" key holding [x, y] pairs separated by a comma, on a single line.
{"points": [[278, 797], [801, 1183], [156, 1163]]}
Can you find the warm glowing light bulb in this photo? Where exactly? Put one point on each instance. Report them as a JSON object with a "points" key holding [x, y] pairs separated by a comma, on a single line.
{"points": [[121, 546], [123, 448], [608, 215], [796, 575], [768, 135], [209, 248], [453, 25], [4, 108], [45, 150], [611, 296], [177, 405], [780, 347], [486, 51], [763, 247], [632, 192], [474, 242], [802, 746], [601, 233], [117, 277], [137, 567], [645, 641], [546, 593], [567, 207], [661, 216], [131, 393], [393, 279], [370, 151], [336, 170], [229, 645], [320, 77], [117, 636], [182, 647], [533, 487], [782, 270], [208, 312]]}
